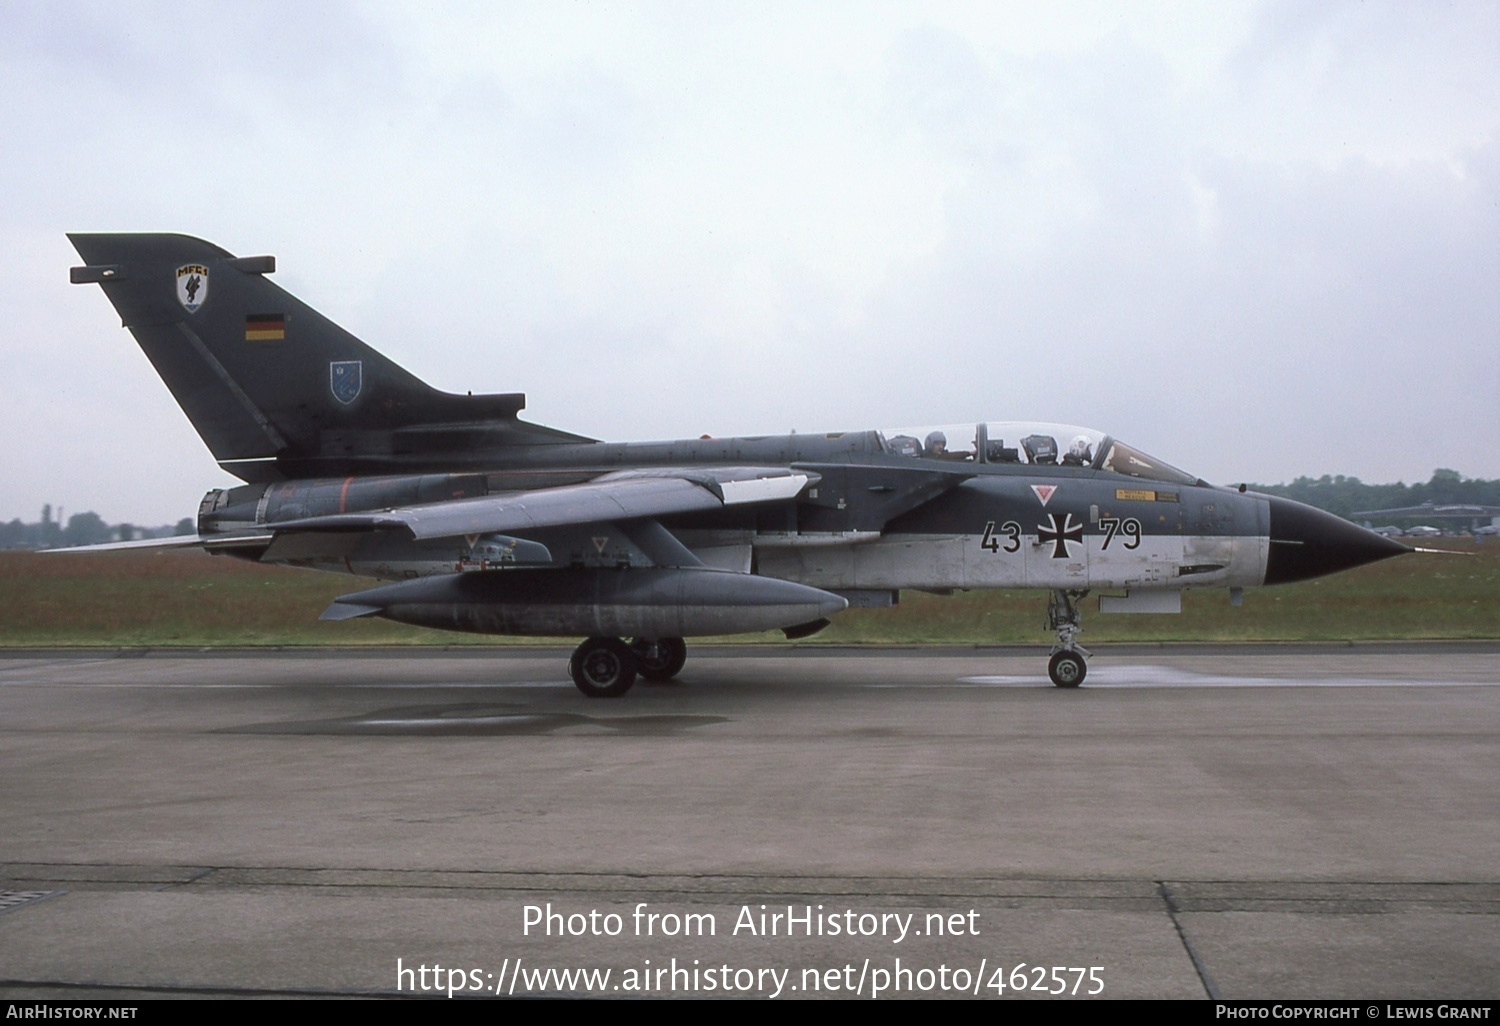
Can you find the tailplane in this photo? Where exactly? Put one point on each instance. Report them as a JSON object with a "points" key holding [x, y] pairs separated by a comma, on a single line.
{"points": [[274, 388]]}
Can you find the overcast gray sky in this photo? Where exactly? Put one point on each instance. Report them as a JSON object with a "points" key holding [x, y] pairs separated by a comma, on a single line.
{"points": [[1257, 240]]}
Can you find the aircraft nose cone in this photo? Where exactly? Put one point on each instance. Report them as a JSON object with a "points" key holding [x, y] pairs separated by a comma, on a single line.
{"points": [[1307, 542]]}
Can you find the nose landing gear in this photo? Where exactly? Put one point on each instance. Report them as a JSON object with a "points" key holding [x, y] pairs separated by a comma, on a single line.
{"points": [[1066, 667]]}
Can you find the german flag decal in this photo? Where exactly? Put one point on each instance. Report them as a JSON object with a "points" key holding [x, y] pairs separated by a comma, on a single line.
{"points": [[265, 327]]}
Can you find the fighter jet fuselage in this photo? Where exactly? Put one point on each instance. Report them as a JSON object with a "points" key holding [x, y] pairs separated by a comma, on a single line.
{"points": [[484, 522]]}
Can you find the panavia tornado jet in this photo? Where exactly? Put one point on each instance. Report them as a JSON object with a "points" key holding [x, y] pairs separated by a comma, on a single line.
{"points": [[481, 521]]}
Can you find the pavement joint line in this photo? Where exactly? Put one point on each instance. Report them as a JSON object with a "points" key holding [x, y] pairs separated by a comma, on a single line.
{"points": [[1170, 900], [169, 885], [1206, 896]]}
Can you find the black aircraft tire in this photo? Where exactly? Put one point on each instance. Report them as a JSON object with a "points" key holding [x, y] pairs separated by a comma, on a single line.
{"points": [[602, 668], [670, 658], [1067, 669]]}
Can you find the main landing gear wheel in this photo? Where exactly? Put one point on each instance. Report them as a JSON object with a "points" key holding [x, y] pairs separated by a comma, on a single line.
{"points": [[661, 659], [602, 667], [1067, 669]]}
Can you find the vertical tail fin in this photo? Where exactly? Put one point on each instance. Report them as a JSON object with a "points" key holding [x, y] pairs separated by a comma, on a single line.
{"points": [[265, 379]]}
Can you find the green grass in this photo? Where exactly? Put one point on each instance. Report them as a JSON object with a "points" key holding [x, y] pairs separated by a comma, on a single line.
{"points": [[195, 600]]}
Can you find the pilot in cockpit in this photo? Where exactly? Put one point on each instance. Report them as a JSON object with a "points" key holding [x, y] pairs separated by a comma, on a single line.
{"points": [[1080, 453], [937, 445]]}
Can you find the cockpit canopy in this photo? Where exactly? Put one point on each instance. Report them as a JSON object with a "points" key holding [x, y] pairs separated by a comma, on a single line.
{"points": [[1033, 444]]}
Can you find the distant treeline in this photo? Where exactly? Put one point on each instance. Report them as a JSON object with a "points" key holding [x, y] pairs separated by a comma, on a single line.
{"points": [[81, 529], [1345, 495], [1335, 493]]}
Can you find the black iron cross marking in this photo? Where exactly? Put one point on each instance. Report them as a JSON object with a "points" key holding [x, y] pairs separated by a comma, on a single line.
{"points": [[1060, 534]]}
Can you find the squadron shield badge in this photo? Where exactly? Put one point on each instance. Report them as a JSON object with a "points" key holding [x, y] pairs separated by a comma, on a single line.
{"points": [[192, 286], [345, 380]]}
